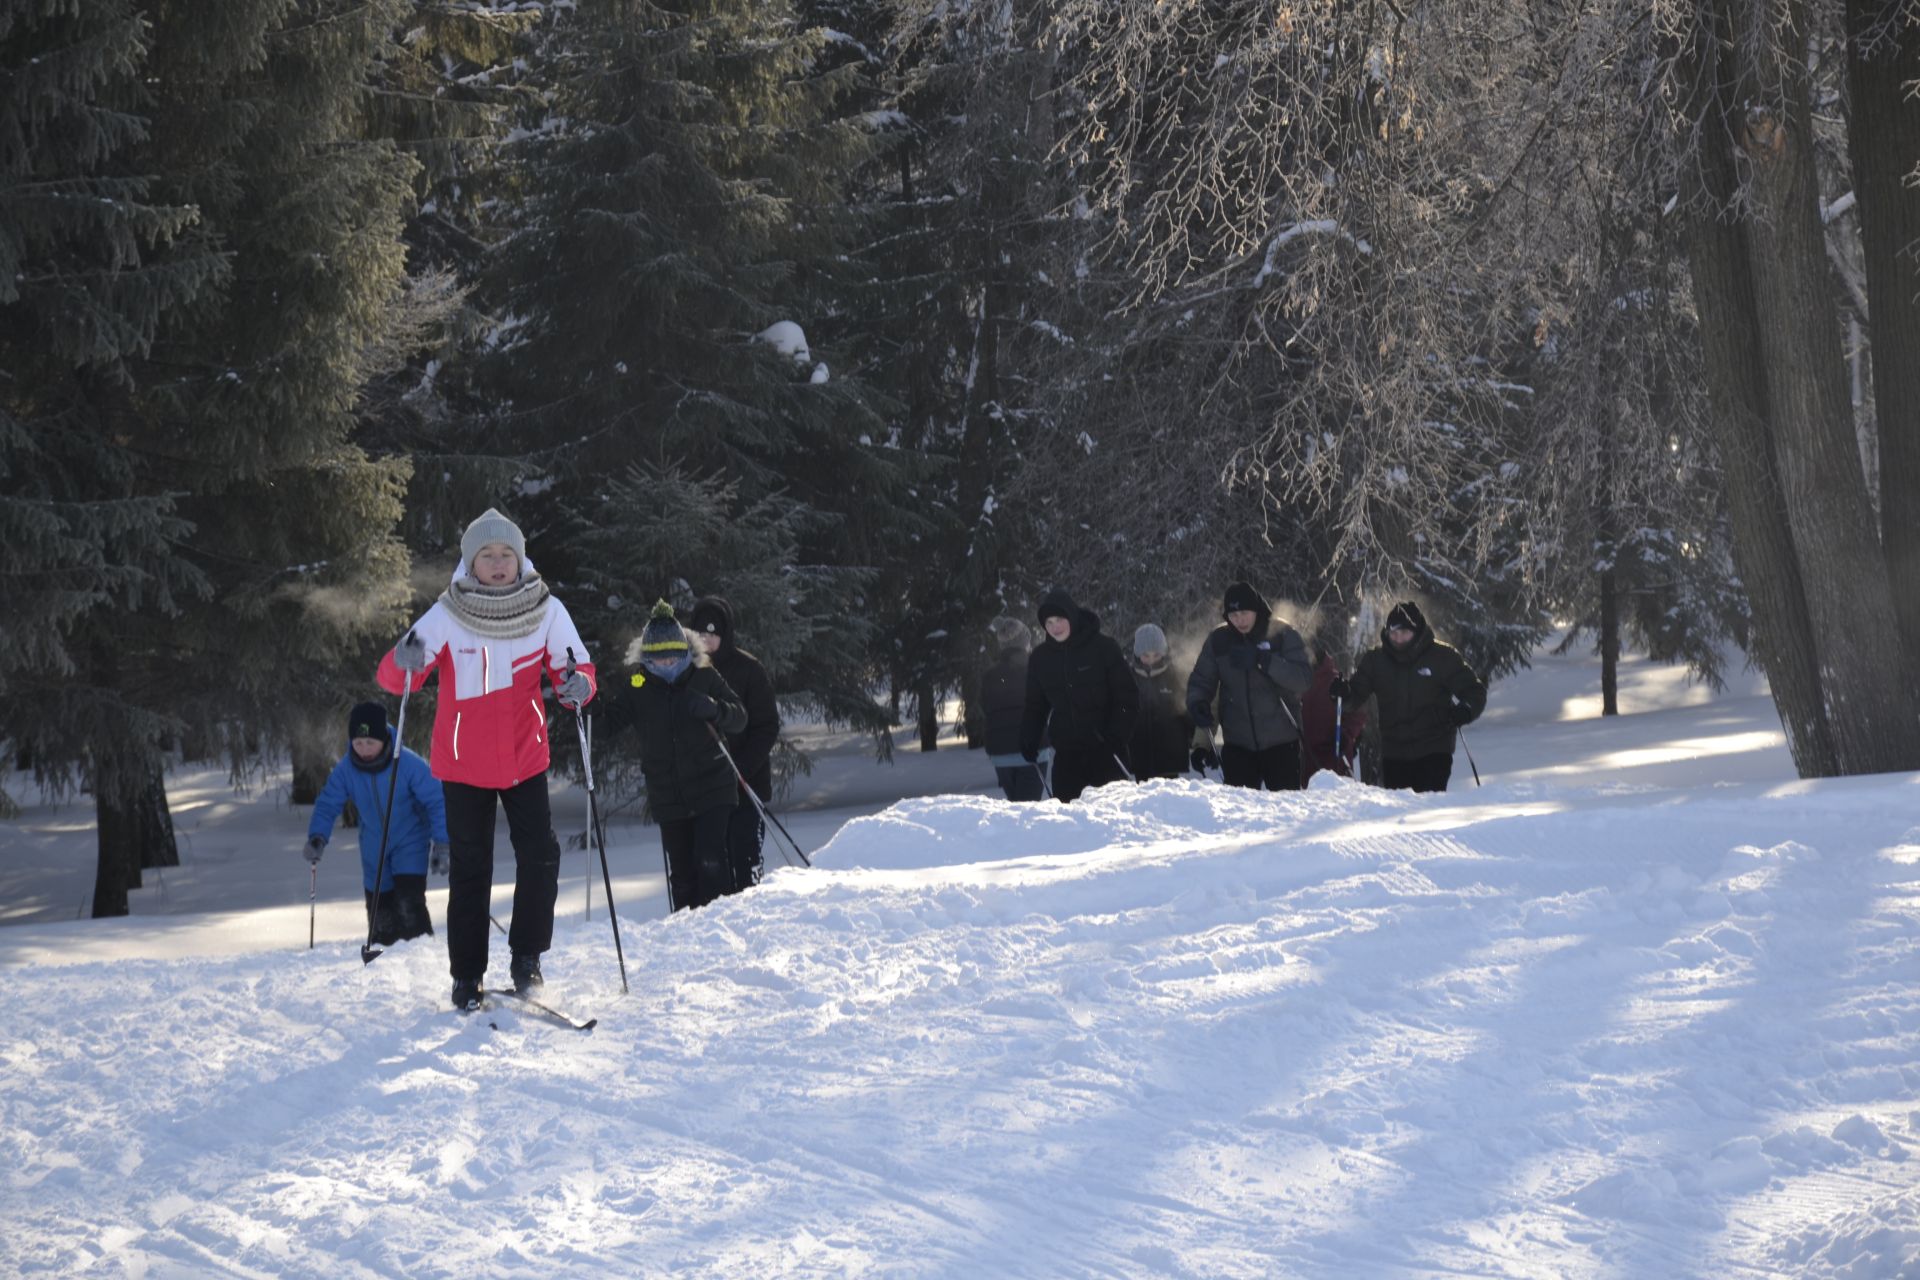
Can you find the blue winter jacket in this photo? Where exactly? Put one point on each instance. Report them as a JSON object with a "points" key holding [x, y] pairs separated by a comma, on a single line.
{"points": [[419, 813]]}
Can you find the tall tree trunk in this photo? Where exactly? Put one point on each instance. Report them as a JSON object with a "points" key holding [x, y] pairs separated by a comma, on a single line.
{"points": [[929, 705], [1873, 717], [158, 848], [1609, 642], [1883, 136], [117, 834], [1763, 555]]}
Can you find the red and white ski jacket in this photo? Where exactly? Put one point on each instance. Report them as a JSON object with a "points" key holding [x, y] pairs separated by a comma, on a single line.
{"points": [[491, 726]]}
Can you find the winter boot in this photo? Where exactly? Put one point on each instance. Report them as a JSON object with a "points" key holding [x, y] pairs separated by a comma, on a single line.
{"points": [[525, 972], [466, 994]]}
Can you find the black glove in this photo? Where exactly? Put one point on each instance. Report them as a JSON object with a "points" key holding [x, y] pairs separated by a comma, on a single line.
{"points": [[316, 845], [439, 857], [1460, 714], [1339, 688], [1263, 656], [699, 705], [1030, 754], [1204, 759]]}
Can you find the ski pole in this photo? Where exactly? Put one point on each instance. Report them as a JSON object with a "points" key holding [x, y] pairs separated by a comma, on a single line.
{"points": [[1045, 790], [754, 796], [313, 895], [1126, 772], [368, 952], [588, 878], [593, 818], [1337, 713], [1469, 750]]}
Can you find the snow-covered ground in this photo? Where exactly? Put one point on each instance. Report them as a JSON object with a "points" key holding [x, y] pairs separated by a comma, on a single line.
{"points": [[1642, 1005]]}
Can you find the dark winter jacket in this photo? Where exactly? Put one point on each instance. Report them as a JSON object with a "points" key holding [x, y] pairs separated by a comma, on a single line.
{"points": [[1079, 692], [1316, 717], [1003, 700], [685, 770], [752, 747], [419, 811], [1425, 692], [1258, 678], [1161, 731]]}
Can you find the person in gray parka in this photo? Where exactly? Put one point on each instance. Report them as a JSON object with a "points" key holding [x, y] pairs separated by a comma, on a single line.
{"points": [[1248, 680]]}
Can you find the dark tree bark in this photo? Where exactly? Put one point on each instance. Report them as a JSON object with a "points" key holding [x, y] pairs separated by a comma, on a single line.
{"points": [[1609, 643], [928, 702], [1776, 373], [158, 847], [117, 827], [1883, 137], [1872, 714]]}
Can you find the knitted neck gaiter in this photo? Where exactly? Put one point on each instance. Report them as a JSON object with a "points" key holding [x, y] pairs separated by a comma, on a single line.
{"points": [[499, 613]]}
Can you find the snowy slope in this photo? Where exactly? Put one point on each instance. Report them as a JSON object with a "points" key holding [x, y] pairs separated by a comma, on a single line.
{"points": [[1578, 1022]]}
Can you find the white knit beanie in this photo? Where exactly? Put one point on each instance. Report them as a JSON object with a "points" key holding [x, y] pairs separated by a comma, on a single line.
{"points": [[492, 527]]}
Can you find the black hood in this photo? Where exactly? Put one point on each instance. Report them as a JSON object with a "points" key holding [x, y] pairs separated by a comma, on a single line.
{"points": [[1058, 604]]}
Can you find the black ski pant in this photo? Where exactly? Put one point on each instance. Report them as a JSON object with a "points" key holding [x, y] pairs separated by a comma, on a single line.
{"points": [[746, 836], [1274, 768], [699, 868], [1077, 768], [1422, 773], [401, 912], [1019, 782], [536, 871]]}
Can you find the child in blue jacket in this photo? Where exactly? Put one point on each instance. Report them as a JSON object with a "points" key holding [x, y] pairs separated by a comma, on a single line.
{"points": [[419, 822]]}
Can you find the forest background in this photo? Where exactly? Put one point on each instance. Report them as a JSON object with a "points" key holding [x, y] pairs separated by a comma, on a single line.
{"points": [[880, 316]]}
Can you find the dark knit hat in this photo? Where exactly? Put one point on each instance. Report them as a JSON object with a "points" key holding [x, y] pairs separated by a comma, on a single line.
{"points": [[368, 720], [1058, 604], [1241, 595], [664, 637], [1406, 614], [713, 616]]}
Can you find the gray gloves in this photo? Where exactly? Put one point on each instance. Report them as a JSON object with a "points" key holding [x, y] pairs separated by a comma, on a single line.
{"points": [[411, 654], [575, 690], [316, 845], [439, 857]]}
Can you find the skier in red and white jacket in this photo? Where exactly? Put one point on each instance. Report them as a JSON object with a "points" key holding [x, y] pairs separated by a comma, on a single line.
{"points": [[489, 637]]}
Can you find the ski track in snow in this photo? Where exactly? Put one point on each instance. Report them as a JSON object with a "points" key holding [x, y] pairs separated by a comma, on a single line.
{"points": [[1175, 1030]]}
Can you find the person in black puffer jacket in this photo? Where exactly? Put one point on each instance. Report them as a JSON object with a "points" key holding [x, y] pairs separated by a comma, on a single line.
{"points": [[1426, 691], [1003, 699], [1258, 668], [1080, 693], [752, 748], [677, 702], [1161, 729]]}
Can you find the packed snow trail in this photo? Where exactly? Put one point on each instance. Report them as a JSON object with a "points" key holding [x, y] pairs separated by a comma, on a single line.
{"points": [[1173, 1030]]}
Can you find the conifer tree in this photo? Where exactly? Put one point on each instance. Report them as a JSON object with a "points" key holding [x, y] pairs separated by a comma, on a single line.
{"points": [[677, 193], [191, 350]]}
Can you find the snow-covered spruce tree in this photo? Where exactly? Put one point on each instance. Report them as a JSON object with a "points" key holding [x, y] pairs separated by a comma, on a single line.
{"points": [[960, 242], [445, 93], [674, 190], [251, 403], [227, 412], [89, 273]]}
